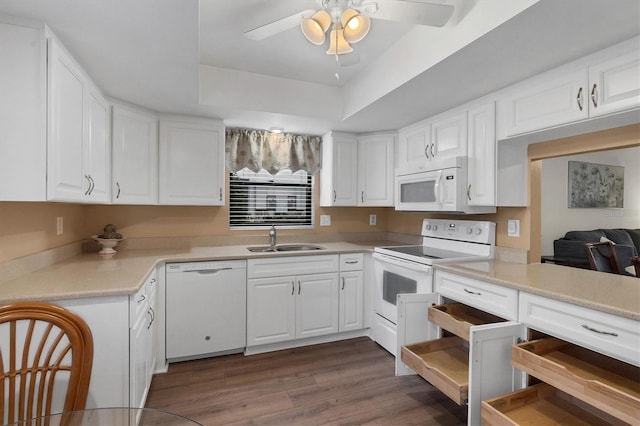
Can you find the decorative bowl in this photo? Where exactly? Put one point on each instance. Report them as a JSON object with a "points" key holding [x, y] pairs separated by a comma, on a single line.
{"points": [[107, 244]]}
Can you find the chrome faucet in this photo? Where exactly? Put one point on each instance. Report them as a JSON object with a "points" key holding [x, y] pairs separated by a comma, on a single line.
{"points": [[272, 236]]}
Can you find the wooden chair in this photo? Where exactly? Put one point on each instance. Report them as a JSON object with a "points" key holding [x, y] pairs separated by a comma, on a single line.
{"points": [[602, 257], [635, 260], [46, 354]]}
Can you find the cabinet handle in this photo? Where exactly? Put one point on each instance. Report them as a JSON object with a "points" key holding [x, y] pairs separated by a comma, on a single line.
{"points": [[608, 333], [351, 262], [293, 287], [118, 187], [594, 95], [152, 314], [142, 299], [426, 151], [220, 196], [89, 188], [433, 150], [299, 287], [469, 192], [362, 196], [579, 98], [473, 292], [343, 283], [334, 195], [93, 185]]}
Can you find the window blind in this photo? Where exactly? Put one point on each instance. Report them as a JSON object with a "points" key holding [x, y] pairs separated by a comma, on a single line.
{"points": [[261, 200]]}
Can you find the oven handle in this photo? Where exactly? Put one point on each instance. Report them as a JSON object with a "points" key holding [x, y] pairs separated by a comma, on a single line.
{"points": [[401, 262]]}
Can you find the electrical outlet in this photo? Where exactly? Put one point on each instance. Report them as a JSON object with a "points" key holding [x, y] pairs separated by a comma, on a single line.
{"points": [[372, 220], [59, 225], [513, 228], [325, 220]]}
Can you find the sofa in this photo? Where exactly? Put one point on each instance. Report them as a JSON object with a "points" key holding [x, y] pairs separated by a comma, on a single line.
{"points": [[570, 249]]}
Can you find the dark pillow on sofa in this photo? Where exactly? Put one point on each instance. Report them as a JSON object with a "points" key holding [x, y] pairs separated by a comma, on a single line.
{"points": [[635, 237], [591, 236], [618, 236]]}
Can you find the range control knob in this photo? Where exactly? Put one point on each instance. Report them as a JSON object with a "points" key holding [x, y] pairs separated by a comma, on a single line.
{"points": [[478, 231], [427, 227], [435, 227], [469, 231]]}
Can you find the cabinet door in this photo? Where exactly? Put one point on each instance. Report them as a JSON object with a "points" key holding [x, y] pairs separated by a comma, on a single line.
{"points": [[351, 300], [135, 156], [448, 136], [614, 84], [317, 299], [97, 152], [339, 179], [412, 146], [191, 162], [65, 180], [23, 105], [550, 100], [139, 344], [270, 310], [481, 142], [375, 170]]}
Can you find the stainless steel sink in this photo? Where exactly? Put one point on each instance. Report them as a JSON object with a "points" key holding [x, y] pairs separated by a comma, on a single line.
{"points": [[284, 247]]}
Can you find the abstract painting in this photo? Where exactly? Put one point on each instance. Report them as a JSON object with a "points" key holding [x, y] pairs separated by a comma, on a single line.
{"points": [[595, 185]]}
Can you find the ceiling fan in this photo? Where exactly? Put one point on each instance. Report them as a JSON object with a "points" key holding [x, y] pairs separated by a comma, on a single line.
{"points": [[349, 20]]}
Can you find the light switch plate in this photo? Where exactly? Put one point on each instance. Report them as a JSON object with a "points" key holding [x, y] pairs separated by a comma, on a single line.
{"points": [[513, 228], [325, 220]]}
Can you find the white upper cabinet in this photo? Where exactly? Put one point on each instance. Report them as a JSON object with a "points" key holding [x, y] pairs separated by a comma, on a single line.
{"points": [[357, 171], [339, 173], [23, 149], [375, 170], [134, 156], [191, 168], [600, 84], [78, 156], [433, 139], [481, 140]]}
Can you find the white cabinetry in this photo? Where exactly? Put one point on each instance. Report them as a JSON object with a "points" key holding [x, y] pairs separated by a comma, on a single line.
{"points": [[481, 142], [134, 156], [78, 155], [414, 143], [357, 171], [23, 149], [351, 292], [191, 162], [291, 298], [603, 83]]}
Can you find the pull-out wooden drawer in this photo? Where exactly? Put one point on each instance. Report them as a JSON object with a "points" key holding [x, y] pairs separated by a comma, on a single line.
{"points": [[458, 318], [444, 363], [605, 383], [540, 404]]}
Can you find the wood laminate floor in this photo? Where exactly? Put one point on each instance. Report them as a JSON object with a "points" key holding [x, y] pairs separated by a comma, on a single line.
{"points": [[348, 382]]}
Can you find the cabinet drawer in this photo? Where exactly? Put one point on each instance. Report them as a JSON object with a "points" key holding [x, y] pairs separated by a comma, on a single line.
{"points": [[139, 302], [487, 297], [444, 363], [351, 262], [283, 266], [602, 332], [458, 318], [540, 404], [608, 384]]}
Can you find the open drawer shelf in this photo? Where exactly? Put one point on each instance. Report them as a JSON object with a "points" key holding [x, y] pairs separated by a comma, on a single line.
{"points": [[458, 318], [444, 363], [540, 404], [605, 383]]}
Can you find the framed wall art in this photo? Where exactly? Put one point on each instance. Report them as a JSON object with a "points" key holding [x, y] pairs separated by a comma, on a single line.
{"points": [[595, 185]]}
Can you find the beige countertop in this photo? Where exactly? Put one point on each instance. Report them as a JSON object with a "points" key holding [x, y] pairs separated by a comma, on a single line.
{"points": [[90, 275], [615, 294]]}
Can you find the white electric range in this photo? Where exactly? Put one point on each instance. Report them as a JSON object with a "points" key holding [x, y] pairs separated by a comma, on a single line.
{"points": [[408, 270]]}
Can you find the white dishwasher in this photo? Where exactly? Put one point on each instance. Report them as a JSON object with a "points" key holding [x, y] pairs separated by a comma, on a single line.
{"points": [[206, 308]]}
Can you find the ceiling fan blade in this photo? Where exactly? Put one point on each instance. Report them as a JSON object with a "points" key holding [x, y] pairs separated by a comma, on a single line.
{"points": [[278, 26], [414, 12], [349, 59]]}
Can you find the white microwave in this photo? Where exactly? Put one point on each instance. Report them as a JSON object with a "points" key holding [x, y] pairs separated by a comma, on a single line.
{"points": [[441, 188]]}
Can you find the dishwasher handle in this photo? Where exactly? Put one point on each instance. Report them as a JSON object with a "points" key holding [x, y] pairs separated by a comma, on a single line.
{"points": [[209, 271]]}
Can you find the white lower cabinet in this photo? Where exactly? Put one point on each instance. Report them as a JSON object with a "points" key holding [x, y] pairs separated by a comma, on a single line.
{"points": [[472, 361], [303, 297]]}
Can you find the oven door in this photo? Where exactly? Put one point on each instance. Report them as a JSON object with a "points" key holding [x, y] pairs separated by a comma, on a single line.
{"points": [[395, 276]]}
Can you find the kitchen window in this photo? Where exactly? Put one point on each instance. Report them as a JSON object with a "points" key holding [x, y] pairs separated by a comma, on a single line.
{"points": [[259, 200]]}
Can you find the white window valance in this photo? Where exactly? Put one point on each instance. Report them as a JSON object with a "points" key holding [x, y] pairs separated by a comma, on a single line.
{"points": [[273, 152]]}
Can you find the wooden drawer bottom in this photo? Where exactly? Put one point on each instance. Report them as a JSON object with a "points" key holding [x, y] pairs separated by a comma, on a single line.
{"points": [[444, 363], [540, 404], [605, 383]]}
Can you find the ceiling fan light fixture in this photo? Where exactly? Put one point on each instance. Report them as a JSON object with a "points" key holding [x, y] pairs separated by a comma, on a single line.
{"points": [[312, 31], [356, 26], [337, 44]]}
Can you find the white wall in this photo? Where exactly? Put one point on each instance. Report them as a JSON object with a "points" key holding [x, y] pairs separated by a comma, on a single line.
{"points": [[557, 219]]}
